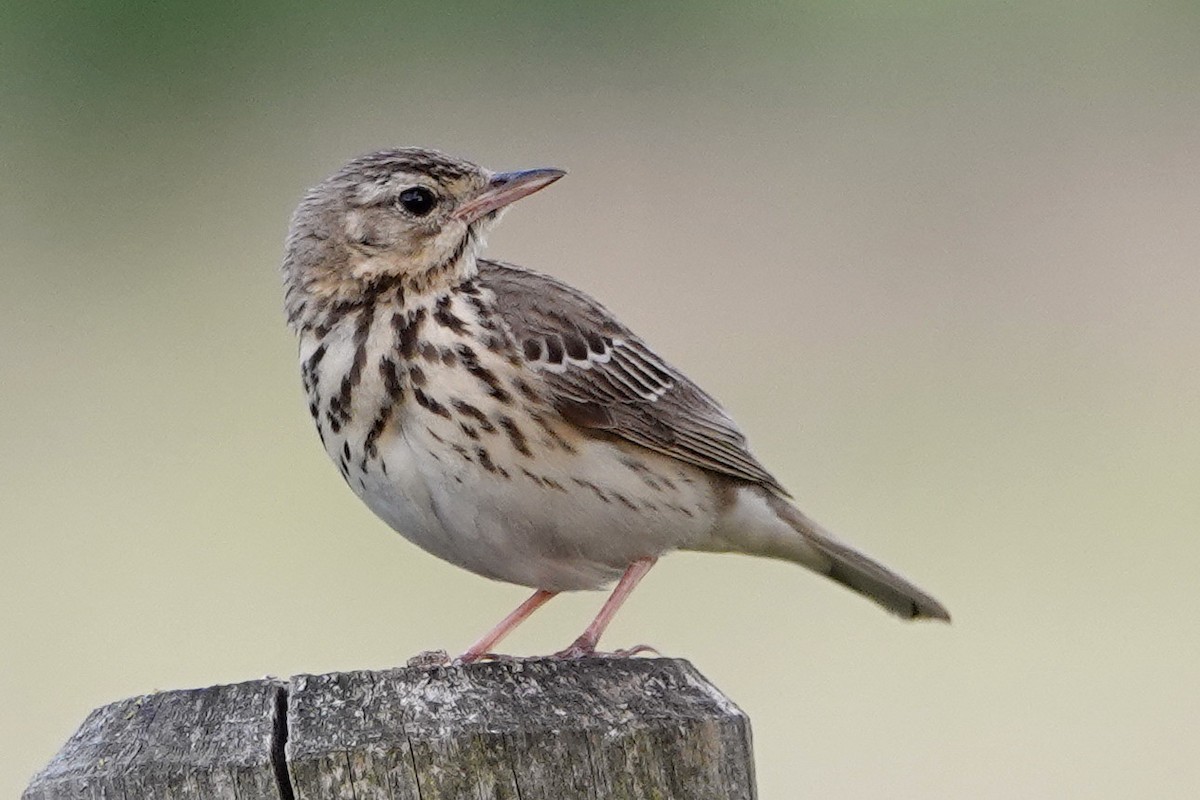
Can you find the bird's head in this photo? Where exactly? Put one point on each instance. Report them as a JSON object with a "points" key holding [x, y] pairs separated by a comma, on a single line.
{"points": [[409, 216]]}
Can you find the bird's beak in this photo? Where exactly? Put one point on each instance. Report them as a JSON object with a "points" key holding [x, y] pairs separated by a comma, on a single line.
{"points": [[505, 188]]}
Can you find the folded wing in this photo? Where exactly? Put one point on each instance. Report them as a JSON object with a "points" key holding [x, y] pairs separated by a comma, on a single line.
{"points": [[602, 376]]}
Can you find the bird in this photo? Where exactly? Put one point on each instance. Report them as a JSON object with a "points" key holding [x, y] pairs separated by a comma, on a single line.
{"points": [[509, 423]]}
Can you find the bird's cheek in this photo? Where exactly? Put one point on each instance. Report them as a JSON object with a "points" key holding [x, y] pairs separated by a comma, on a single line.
{"points": [[443, 246]]}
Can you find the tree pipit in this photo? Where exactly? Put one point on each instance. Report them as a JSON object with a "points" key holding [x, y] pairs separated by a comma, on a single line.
{"points": [[509, 423]]}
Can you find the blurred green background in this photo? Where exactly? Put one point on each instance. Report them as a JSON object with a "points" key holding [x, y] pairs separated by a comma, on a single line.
{"points": [[940, 260]]}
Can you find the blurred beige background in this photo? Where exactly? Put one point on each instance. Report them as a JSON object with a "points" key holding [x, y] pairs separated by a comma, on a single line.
{"points": [[939, 259]]}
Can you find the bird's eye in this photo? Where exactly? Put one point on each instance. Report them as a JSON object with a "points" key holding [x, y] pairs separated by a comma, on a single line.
{"points": [[418, 201]]}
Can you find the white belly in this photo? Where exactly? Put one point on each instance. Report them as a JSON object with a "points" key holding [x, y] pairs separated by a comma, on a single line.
{"points": [[561, 521]]}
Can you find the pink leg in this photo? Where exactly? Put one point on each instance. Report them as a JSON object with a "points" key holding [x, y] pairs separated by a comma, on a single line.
{"points": [[484, 646], [585, 645]]}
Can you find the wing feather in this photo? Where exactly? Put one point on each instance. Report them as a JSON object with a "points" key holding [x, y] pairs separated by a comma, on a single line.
{"points": [[619, 384]]}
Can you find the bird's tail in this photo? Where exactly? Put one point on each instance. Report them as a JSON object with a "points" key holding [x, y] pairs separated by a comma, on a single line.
{"points": [[824, 552]]}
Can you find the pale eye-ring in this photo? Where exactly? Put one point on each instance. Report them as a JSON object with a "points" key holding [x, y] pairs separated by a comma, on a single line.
{"points": [[417, 201]]}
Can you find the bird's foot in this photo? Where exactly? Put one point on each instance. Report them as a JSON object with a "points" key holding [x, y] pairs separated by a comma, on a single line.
{"points": [[584, 648], [474, 658], [440, 658], [636, 650]]}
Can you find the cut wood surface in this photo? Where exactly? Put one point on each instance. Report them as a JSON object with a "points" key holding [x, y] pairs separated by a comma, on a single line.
{"points": [[593, 728]]}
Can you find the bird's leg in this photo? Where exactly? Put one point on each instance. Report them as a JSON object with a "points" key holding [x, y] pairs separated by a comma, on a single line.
{"points": [[585, 645], [483, 647]]}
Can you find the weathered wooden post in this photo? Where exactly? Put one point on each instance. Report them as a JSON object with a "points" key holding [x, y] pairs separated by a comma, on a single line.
{"points": [[595, 728]]}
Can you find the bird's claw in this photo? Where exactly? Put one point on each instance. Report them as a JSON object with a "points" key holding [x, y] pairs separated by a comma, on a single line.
{"points": [[580, 649], [475, 658], [637, 649]]}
